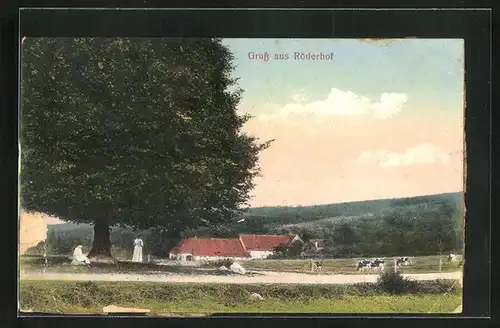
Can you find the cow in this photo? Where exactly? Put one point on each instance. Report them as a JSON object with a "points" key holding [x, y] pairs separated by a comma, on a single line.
{"points": [[403, 261], [319, 265], [452, 257], [364, 265], [377, 264]]}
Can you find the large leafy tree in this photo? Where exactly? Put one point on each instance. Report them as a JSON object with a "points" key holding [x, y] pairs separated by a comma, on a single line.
{"points": [[137, 132]]}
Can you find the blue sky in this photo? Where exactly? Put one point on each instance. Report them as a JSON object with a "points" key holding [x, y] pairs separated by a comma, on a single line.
{"points": [[378, 120], [430, 71]]}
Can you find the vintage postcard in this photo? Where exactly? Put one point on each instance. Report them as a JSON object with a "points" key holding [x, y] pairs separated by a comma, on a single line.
{"points": [[174, 177]]}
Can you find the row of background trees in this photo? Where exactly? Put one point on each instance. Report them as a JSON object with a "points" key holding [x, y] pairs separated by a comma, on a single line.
{"points": [[399, 231]]}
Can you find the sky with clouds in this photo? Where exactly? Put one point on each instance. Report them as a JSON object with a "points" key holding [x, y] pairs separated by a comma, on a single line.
{"points": [[375, 120]]}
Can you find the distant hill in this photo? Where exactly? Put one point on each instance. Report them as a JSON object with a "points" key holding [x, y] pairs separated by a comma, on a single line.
{"points": [[353, 208], [413, 225], [273, 218]]}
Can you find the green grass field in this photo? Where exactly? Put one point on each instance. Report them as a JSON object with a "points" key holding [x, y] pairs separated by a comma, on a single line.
{"points": [[62, 265], [161, 298], [425, 264], [36, 265]]}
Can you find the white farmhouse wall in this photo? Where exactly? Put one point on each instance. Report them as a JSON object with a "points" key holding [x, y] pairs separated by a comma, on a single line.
{"points": [[260, 254], [184, 257], [218, 258]]}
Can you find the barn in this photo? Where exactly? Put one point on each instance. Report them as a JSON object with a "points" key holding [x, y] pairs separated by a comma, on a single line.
{"points": [[209, 249], [245, 247], [262, 246]]}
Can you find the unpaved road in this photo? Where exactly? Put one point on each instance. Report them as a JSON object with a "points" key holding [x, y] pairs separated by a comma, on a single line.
{"points": [[261, 278]]}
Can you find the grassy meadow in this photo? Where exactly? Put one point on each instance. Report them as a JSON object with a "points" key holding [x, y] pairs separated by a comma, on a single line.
{"points": [[424, 264], [163, 298], [62, 265]]}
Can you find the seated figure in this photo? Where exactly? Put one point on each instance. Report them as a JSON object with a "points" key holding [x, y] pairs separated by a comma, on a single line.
{"points": [[78, 257]]}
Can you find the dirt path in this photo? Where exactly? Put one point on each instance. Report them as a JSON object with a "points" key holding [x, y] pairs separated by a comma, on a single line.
{"points": [[262, 278]]}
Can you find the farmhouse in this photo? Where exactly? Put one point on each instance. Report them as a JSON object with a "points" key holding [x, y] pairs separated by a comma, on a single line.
{"points": [[243, 248], [261, 246], [199, 249]]}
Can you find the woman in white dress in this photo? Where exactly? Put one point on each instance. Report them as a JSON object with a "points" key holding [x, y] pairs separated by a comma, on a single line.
{"points": [[138, 245]]}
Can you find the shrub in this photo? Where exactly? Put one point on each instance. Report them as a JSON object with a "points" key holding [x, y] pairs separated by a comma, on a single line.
{"points": [[217, 264], [439, 286], [394, 283]]}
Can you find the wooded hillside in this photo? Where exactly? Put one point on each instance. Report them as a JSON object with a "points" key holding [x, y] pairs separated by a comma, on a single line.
{"points": [[411, 226]]}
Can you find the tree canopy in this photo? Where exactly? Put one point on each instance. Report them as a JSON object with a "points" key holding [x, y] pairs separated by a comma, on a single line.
{"points": [[136, 132]]}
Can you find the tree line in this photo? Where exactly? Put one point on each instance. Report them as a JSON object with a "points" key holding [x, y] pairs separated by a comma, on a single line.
{"points": [[425, 228], [407, 231]]}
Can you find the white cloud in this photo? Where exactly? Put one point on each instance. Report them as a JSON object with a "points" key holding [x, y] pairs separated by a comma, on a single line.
{"points": [[341, 103], [300, 97], [422, 154]]}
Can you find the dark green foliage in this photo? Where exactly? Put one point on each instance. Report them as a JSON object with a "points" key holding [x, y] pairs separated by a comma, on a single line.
{"points": [[158, 242], [64, 242], [439, 286], [425, 225], [295, 249], [280, 251], [291, 250], [215, 231], [394, 283], [133, 132], [411, 231], [217, 264], [306, 235]]}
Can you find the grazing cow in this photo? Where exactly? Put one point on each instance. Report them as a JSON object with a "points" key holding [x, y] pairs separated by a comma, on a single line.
{"points": [[403, 261], [364, 265], [319, 265], [452, 257], [377, 264]]}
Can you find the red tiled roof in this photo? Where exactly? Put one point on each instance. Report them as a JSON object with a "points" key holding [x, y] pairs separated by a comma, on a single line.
{"points": [[211, 247], [263, 242]]}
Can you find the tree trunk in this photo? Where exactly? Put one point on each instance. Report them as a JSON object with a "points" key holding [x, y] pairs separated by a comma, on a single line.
{"points": [[101, 246]]}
